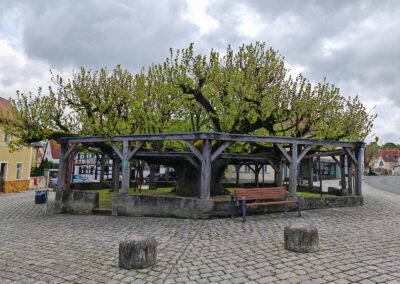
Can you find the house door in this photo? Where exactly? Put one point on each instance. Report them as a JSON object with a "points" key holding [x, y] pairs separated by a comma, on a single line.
{"points": [[3, 169]]}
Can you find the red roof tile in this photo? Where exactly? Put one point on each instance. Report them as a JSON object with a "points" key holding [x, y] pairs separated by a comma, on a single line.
{"points": [[55, 149], [5, 106], [390, 156]]}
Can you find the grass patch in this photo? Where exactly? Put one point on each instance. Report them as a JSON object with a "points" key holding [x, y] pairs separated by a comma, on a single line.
{"points": [[302, 194], [314, 195], [105, 196]]}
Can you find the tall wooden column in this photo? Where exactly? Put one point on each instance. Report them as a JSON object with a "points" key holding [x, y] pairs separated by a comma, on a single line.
{"points": [[115, 174], [310, 170], [359, 171], [279, 181], [350, 175], [126, 169], [293, 172], [63, 168], [205, 181], [342, 172]]}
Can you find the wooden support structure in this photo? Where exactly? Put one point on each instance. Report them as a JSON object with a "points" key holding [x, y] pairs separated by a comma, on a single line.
{"points": [[202, 159]]}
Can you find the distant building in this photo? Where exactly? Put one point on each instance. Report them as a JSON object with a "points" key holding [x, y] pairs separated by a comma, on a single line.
{"points": [[38, 149], [52, 152], [15, 167], [384, 161]]}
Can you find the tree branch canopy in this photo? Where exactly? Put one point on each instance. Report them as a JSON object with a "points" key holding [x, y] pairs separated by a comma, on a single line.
{"points": [[245, 90]]}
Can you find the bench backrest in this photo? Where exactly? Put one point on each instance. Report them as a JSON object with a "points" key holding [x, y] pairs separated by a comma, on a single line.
{"points": [[261, 193]]}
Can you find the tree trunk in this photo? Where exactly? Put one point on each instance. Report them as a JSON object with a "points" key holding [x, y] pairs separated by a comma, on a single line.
{"points": [[152, 180], [188, 179]]}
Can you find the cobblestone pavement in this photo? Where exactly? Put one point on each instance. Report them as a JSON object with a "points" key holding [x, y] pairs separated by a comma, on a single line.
{"points": [[356, 245]]}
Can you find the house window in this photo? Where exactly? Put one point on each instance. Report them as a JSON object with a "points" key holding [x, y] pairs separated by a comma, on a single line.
{"points": [[80, 170], [245, 169], [6, 138], [18, 174]]}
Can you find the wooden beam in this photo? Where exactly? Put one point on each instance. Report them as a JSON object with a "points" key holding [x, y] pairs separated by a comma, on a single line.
{"points": [[194, 163], [135, 150], [303, 153], [252, 169], [117, 151], [71, 148], [219, 150], [285, 154], [336, 160], [352, 157], [208, 136], [325, 154], [194, 150], [205, 182]]}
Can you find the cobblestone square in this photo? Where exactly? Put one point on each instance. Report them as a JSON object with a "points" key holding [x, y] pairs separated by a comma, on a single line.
{"points": [[359, 245]]}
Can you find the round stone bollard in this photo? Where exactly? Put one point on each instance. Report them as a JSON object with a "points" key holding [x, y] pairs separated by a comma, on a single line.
{"points": [[300, 237], [137, 252]]}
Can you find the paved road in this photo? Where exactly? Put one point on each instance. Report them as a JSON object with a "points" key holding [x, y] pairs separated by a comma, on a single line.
{"points": [[386, 183], [357, 245]]}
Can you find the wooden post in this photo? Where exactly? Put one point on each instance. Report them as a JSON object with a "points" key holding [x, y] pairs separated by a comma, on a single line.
{"points": [[205, 182], [359, 171], [279, 181], [115, 175], [237, 169], [350, 175], [310, 178], [293, 172], [320, 175], [63, 167], [342, 173], [257, 169], [102, 166], [126, 169]]}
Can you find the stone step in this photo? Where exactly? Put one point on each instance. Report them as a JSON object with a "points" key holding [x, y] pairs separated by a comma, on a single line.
{"points": [[102, 211]]}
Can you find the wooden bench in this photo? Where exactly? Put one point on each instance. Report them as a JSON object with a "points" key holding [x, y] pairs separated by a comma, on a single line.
{"points": [[260, 197]]}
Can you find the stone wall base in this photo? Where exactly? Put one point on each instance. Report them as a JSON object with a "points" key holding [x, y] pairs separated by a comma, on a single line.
{"points": [[15, 186], [161, 206], [184, 207], [75, 202]]}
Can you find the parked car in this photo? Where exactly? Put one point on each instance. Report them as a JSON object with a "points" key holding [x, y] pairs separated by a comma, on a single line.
{"points": [[161, 177], [75, 179]]}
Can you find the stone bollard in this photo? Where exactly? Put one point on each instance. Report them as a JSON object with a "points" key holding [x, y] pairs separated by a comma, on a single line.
{"points": [[300, 237], [136, 252]]}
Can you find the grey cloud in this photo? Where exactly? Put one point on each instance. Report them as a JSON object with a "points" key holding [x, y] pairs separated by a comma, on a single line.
{"points": [[92, 33], [96, 34]]}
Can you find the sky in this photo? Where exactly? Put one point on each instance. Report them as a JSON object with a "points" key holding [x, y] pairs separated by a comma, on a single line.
{"points": [[354, 44]]}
